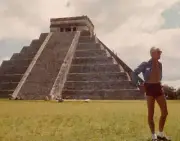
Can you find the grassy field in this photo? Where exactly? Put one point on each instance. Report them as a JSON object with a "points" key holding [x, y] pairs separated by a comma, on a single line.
{"points": [[80, 121]]}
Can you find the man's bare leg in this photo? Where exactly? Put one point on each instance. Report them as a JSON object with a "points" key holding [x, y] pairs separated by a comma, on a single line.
{"points": [[150, 104], [164, 112]]}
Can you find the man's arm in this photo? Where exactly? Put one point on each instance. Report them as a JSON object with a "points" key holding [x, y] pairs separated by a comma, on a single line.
{"points": [[137, 71]]}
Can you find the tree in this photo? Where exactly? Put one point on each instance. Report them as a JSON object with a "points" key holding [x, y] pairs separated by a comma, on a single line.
{"points": [[170, 92], [178, 93]]}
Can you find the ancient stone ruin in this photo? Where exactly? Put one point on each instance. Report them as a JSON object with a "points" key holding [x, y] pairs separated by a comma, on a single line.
{"points": [[69, 62]]}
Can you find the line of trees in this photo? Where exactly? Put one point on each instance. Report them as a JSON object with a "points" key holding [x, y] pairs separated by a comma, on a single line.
{"points": [[171, 93]]}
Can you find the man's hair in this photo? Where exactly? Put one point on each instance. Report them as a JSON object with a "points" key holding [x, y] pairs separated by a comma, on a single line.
{"points": [[153, 49]]}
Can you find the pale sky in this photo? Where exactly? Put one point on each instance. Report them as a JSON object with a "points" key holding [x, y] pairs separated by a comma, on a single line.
{"points": [[129, 27]]}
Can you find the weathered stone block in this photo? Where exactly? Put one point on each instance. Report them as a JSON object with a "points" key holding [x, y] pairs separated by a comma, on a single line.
{"points": [[91, 53], [88, 46], [96, 76], [10, 77], [98, 85], [94, 68]]}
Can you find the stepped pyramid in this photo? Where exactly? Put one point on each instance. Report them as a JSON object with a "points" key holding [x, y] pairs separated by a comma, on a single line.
{"points": [[69, 62]]}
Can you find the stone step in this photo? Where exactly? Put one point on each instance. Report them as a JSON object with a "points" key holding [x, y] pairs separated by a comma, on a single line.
{"points": [[86, 39], [94, 68], [17, 63], [24, 49], [13, 70], [90, 53], [96, 85], [35, 88], [88, 46], [36, 42], [43, 36], [27, 50], [22, 56], [3, 63], [11, 77], [49, 69], [5, 94], [34, 97], [92, 60], [55, 55], [129, 94], [15, 56], [8, 85], [35, 45], [97, 76]]}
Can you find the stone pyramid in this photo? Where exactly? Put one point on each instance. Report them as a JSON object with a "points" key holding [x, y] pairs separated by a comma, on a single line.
{"points": [[69, 62]]}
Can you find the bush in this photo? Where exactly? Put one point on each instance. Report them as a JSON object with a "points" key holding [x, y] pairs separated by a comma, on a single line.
{"points": [[178, 93], [170, 92]]}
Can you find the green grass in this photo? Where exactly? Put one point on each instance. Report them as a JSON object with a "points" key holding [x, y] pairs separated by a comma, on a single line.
{"points": [[79, 121]]}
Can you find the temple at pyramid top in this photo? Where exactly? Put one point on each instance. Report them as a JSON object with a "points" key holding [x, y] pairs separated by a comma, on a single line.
{"points": [[69, 62], [71, 24]]}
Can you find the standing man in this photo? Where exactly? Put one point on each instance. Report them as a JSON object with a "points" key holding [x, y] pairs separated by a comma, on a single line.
{"points": [[152, 73]]}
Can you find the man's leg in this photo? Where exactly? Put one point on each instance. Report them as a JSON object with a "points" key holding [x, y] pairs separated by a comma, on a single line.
{"points": [[150, 104], [164, 112]]}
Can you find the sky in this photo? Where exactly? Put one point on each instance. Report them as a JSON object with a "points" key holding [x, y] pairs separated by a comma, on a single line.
{"points": [[128, 27]]}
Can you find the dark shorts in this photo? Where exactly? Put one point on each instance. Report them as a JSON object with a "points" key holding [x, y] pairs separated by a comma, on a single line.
{"points": [[153, 89]]}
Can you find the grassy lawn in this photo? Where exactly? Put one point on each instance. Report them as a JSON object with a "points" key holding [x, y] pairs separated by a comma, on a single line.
{"points": [[79, 121]]}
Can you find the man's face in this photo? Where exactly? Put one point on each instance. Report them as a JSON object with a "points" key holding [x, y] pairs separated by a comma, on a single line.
{"points": [[156, 54]]}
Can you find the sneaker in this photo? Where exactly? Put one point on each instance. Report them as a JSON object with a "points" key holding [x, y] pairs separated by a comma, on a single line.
{"points": [[163, 138], [154, 137]]}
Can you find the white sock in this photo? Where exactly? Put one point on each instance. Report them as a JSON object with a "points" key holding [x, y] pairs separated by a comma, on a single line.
{"points": [[154, 136], [161, 134]]}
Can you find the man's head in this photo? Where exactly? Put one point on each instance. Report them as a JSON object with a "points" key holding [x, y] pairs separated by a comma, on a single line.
{"points": [[155, 53]]}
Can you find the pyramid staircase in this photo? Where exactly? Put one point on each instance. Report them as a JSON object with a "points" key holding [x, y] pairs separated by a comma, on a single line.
{"points": [[68, 65]]}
